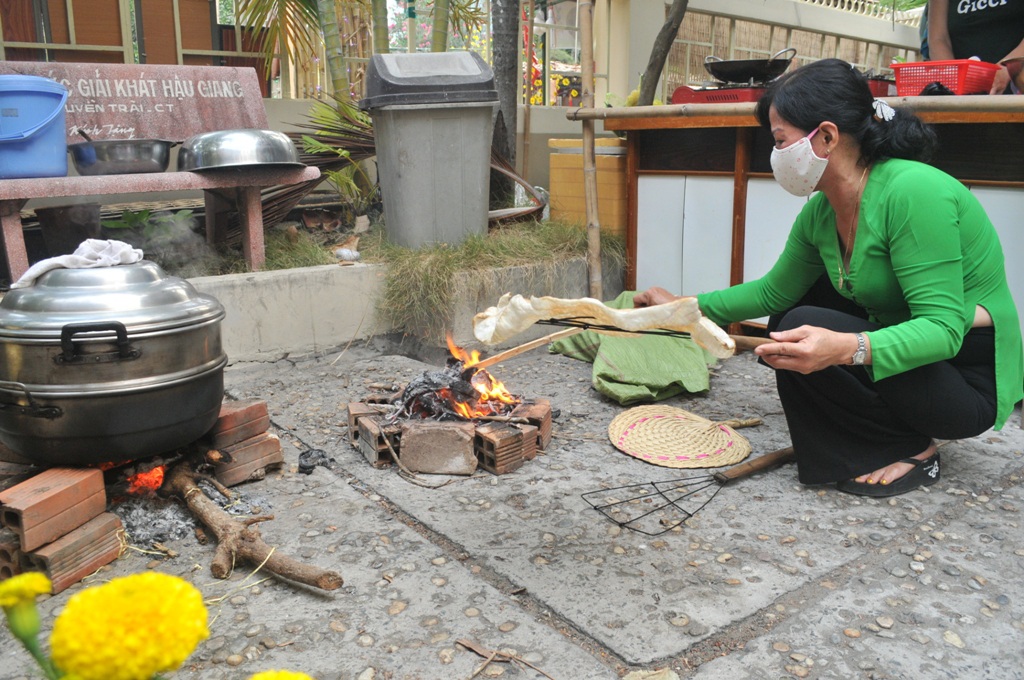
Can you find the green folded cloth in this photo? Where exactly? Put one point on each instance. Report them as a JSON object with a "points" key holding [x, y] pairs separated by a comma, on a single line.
{"points": [[639, 368]]}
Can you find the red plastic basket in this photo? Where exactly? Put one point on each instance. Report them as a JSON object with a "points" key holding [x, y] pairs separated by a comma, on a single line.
{"points": [[962, 76]]}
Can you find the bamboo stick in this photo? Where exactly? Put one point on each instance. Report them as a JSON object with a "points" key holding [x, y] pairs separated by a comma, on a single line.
{"points": [[526, 347], [586, 21], [742, 342]]}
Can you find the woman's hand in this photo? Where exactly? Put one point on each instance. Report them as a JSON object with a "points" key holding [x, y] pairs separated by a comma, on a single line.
{"points": [[653, 296], [1001, 81], [808, 349]]}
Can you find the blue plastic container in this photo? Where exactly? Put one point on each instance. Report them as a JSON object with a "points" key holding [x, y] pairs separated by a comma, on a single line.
{"points": [[33, 138]]}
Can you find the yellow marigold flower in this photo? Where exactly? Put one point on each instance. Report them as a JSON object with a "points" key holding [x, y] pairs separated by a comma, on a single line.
{"points": [[18, 599], [280, 675], [23, 588], [574, 93], [565, 81], [130, 628]]}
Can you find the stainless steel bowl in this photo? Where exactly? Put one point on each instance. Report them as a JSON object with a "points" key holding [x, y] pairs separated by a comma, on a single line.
{"points": [[121, 156], [234, 148]]}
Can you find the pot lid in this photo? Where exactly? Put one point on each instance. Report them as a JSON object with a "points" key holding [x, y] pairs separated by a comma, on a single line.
{"points": [[141, 296]]}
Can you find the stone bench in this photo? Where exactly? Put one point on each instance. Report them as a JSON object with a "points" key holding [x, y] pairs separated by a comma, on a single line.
{"points": [[139, 101]]}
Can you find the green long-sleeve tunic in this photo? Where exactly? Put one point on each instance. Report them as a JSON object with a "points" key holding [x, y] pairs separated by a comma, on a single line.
{"points": [[925, 255]]}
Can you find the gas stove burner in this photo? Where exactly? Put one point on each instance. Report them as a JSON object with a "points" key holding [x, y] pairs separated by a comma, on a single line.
{"points": [[718, 93]]}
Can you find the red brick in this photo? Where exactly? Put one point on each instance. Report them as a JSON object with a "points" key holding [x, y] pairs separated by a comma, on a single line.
{"points": [[52, 503], [248, 458], [237, 415], [374, 439], [74, 556], [538, 413], [438, 448], [238, 434], [10, 554], [499, 448], [355, 411]]}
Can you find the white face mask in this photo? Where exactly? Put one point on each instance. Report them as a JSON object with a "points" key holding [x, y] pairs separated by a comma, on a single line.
{"points": [[797, 168]]}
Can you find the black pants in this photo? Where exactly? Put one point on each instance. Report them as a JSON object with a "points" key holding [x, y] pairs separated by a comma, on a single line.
{"points": [[843, 424]]}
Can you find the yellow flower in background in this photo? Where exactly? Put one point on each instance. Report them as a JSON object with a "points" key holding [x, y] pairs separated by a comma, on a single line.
{"points": [[18, 598], [280, 675], [130, 628], [23, 587], [565, 81], [537, 83], [574, 93]]}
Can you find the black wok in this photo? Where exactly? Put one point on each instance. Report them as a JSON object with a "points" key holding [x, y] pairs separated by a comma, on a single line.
{"points": [[746, 70]]}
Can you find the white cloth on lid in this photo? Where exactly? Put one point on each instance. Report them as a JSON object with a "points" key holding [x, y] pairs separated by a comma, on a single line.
{"points": [[90, 253]]}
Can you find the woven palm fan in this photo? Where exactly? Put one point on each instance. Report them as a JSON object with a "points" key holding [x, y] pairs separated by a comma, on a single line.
{"points": [[671, 437], [675, 438]]}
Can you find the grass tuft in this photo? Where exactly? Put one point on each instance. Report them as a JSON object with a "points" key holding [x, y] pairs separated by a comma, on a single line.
{"points": [[419, 290]]}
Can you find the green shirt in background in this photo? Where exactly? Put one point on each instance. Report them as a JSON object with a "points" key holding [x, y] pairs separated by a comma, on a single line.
{"points": [[925, 255]]}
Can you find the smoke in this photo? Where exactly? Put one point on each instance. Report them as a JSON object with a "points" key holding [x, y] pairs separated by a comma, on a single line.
{"points": [[174, 240]]}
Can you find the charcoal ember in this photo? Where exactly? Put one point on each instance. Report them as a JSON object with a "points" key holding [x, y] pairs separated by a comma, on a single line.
{"points": [[423, 396], [311, 458]]}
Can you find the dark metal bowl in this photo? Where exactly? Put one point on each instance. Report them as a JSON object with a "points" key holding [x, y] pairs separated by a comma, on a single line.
{"points": [[121, 156]]}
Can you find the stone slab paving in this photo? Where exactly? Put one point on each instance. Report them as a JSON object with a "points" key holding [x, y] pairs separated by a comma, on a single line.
{"points": [[770, 580]]}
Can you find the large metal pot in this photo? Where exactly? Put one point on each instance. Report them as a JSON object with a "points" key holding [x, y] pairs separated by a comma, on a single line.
{"points": [[108, 365], [747, 70]]}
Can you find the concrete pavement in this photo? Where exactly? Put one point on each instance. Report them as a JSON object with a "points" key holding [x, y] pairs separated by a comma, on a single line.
{"points": [[771, 579]]}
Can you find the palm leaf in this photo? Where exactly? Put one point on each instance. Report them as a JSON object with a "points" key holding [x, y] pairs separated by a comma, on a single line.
{"points": [[292, 25]]}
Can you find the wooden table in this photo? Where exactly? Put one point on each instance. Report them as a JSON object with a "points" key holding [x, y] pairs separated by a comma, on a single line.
{"points": [[224, 189], [981, 143]]}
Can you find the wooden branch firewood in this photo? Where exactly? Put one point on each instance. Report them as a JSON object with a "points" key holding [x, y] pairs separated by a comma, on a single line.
{"points": [[239, 540]]}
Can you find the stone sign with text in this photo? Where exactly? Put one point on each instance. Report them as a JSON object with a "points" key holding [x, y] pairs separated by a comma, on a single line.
{"points": [[142, 101]]}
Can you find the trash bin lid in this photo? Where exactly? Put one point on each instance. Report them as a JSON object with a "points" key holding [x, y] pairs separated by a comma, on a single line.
{"points": [[427, 78]]}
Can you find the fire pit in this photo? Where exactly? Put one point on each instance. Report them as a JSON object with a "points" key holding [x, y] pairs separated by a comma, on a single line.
{"points": [[450, 421]]}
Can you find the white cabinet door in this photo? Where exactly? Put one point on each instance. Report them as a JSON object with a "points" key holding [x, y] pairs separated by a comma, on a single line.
{"points": [[771, 211], [1005, 207], [659, 232], [684, 233]]}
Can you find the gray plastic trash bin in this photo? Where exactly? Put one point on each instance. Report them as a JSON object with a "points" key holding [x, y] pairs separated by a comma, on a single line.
{"points": [[433, 117]]}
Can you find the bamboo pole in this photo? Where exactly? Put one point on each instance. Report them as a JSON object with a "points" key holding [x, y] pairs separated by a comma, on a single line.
{"points": [[525, 164], [981, 103], [586, 23]]}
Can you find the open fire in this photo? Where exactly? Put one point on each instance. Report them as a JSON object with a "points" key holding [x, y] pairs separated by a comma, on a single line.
{"points": [[492, 396], [459, 391], [447, 421]]}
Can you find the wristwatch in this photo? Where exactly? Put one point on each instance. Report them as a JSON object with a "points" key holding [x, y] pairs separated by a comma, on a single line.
{"points": [[861, 355]]}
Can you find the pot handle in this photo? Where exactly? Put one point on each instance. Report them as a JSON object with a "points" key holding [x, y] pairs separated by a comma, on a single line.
{"points": [[68, 355], [33, 409], [781, 52]]}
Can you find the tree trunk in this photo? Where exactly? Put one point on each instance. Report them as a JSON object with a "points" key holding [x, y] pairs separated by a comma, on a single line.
{"points": [[505, 32], [659, 52], [380, 27], [332, 46], [439, 33]]}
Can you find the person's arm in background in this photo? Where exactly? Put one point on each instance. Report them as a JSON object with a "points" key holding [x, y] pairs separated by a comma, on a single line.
{"points": [[940, 47], [1013, 71]]}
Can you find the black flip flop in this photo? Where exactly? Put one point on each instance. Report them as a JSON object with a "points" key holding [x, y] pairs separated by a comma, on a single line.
{"points": [[924, 473]]}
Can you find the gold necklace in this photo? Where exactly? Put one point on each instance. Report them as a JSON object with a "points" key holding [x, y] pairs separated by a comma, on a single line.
{"points": [[847, 248]]}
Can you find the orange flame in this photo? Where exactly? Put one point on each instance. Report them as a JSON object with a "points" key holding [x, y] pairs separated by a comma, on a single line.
{"points": [[493, 396], [468, 359], [149, 481]]}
